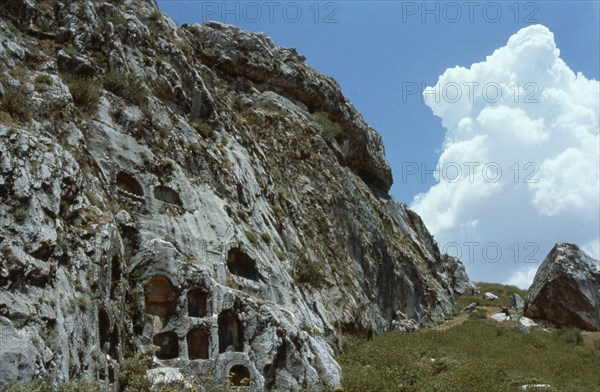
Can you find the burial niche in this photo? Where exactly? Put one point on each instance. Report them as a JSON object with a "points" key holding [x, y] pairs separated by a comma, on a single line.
{"points": [[240, 375], [197, 303], [168, 345], [231, 332], [109, 337], [240, 264], [158, 296], [116, 273], [104, 330], [197, 343], [167, 195], [131, 237], [127, 183]]}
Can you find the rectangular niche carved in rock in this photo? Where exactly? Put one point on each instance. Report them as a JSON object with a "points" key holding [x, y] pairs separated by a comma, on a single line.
{"points": [[197, 303], [231, 332], [168, 345], [197, 343]]}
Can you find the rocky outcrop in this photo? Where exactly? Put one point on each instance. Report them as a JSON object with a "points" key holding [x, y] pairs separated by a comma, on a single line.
{"points": [[457, 276], [255, 58], [196, 195], [566, 289]]}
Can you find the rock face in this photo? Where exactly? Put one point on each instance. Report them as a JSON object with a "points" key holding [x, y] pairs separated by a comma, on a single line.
{"points": [[566, 289], [457, 276], [196, 195]]}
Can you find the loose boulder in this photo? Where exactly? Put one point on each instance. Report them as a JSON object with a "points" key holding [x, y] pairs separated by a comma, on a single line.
{"points": [[469, 308], [515, 302], [490, 296], [525, 324], [566, 289], [500, 316]]}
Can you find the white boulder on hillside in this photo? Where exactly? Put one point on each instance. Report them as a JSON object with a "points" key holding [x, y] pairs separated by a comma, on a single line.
{"points": [[490, 296]]}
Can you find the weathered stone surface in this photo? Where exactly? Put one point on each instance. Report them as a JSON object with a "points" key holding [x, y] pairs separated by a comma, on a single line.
{"points": [[566, 289], [458, 278], [500, 316], [403, 324], [490, 296], [526, 324], [254, 57], [516, 302], [536, 387], [204, 218], [469, 308]]}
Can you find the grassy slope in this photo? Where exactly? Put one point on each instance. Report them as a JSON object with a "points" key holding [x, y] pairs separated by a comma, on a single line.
{"points": [[501, 290], [477, 355]]}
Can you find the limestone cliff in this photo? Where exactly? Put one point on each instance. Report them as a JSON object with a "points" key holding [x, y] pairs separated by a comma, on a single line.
{"points": [[195, 194]]}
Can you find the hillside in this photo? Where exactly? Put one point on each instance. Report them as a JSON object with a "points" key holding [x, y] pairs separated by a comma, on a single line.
{"points": [[476, 354]]}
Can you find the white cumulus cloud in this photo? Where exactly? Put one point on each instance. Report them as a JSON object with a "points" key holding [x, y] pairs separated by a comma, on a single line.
{"points": [[522, 278], [519, 167]]}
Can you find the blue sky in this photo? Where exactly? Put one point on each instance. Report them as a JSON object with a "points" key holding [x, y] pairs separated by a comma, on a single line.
{"points": [[379, 50]]}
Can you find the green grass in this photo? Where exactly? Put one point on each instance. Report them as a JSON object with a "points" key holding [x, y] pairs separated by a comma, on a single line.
{"points": [[266, 238], [155, 16], [42, 81], [331, 129], [16, 103], [205, 130], [127, 86], [478, 355], [45, 385], [133, 375], [309, 272], [251, 237], [86, 94]]}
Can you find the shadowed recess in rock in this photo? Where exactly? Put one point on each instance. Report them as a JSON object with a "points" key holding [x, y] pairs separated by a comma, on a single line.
{"points": [[240, 264], [104, 330], [108, 334], [131, 237], [197, 303], [116, 272], [197, 343], [168, 345], [167, 195], [158, 295], [129, 184], [279, 362], [240, 375], [231, 332]]}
